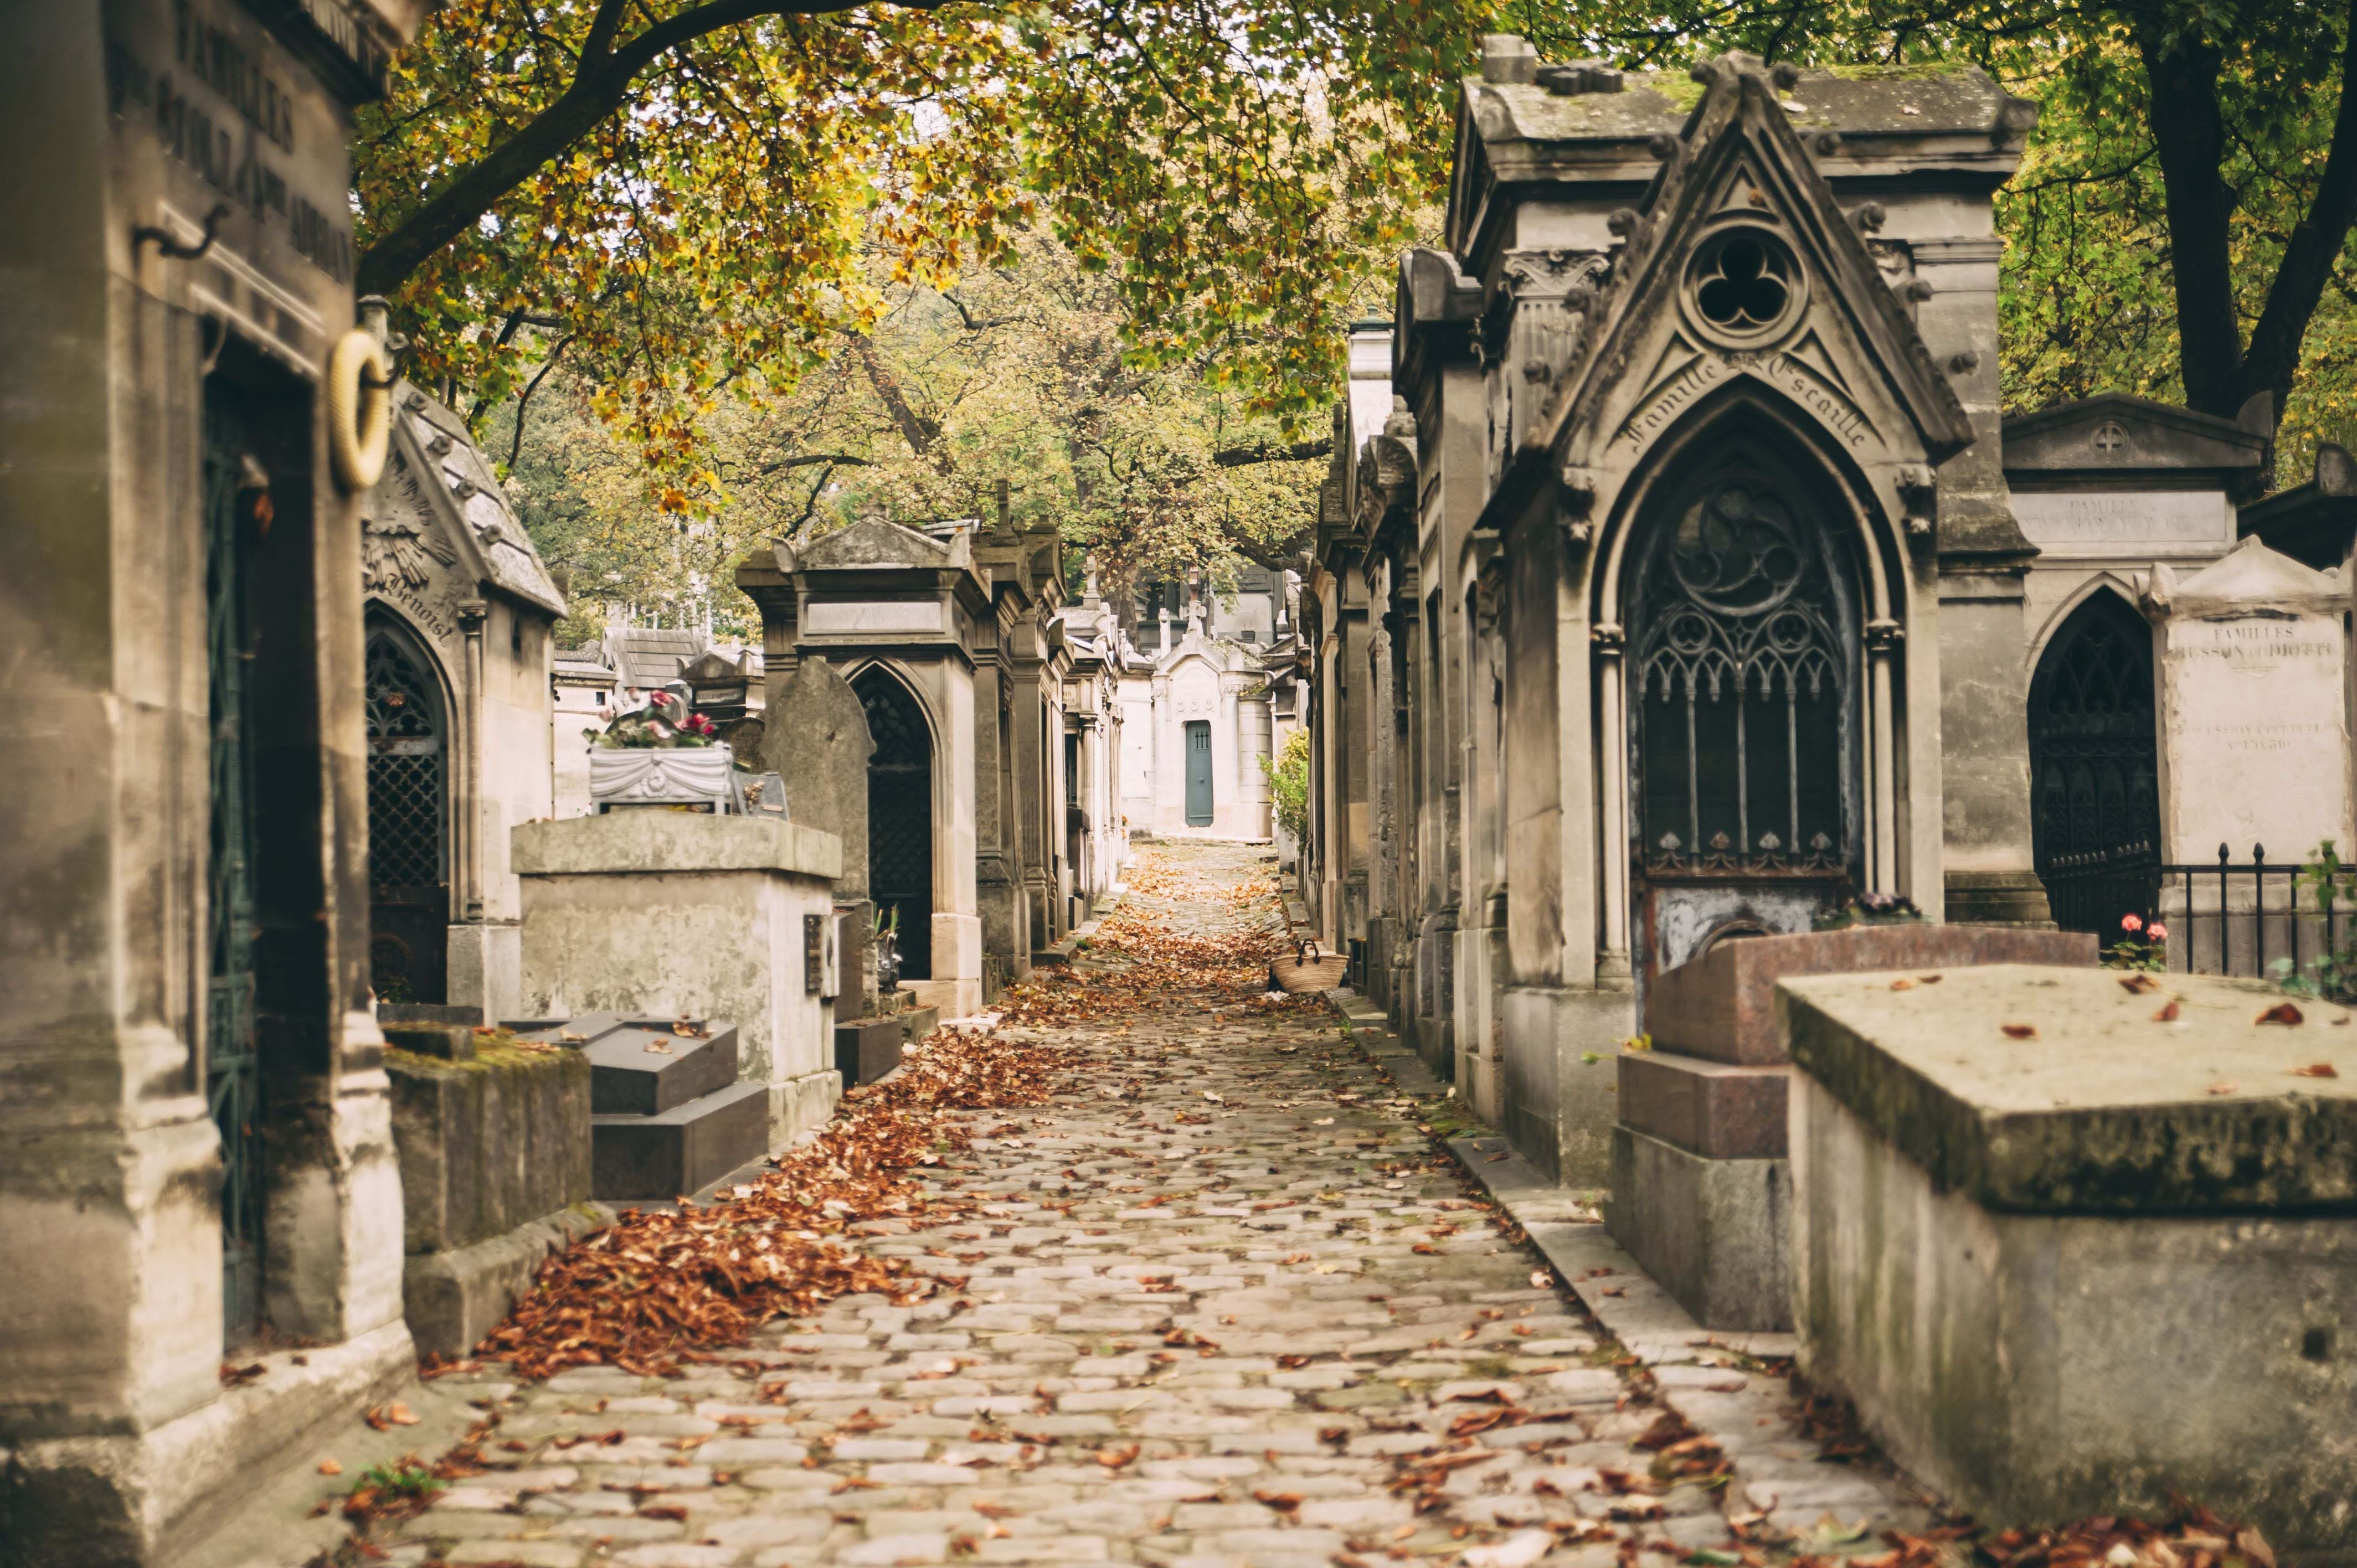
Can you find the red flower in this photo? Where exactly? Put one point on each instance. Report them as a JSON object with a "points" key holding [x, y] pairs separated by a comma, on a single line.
{"points": [[2131, 923]]}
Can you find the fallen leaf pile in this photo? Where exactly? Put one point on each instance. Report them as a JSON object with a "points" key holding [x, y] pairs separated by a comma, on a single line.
{"points": [[2196, 1539], [658, 1286]]}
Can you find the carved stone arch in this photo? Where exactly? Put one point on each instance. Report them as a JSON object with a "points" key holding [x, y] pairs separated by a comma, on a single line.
{"points": [[1877, 538], [1820, 646], [2042, 638]]}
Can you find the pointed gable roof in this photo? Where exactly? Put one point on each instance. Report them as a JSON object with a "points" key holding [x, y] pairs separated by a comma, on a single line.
{"points": [[1738, 155], [439, 485]]}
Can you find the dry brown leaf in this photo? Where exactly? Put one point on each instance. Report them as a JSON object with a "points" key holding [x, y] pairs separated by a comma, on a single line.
{"points": [[1902, 983], [330, 1467], [1115, 1458], [2139, 984], [2316, 1070], [2169, 1012], [2019, 1031], [2281, 1013], [2224, 1088]]}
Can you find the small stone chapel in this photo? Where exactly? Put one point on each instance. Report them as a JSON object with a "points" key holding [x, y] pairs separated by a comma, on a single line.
{"points": [[459, 611], [1677, 577]]}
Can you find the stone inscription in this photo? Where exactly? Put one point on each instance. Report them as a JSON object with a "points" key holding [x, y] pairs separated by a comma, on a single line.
{"points": [[2124, 517], [878, 614], [1788, 374], [217, 111], [2253, 725]]}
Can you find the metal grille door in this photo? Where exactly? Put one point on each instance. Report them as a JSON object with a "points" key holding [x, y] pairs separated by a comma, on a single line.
{"points": [[900, 816], [2093, 761], [232, 1071], [409, 892]]}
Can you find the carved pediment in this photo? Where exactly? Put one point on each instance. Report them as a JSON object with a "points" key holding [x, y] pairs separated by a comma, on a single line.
{"points": [[1739, 263], [402, 545]]}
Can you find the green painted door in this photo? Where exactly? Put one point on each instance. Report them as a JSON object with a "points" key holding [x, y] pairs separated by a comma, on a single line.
{"points": [[1199, 774], [232, 1071]]}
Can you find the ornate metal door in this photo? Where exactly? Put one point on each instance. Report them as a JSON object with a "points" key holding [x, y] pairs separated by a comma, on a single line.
{"points": [[234, 505], [2095, 766], [1742, 701], [409, 889], [900, 817]]}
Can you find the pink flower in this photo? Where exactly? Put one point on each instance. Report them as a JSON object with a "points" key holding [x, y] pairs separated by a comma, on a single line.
{"points": [[2131, 923], [2157, 932]]}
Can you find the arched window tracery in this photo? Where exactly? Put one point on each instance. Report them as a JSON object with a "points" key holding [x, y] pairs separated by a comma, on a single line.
{"points": [[1744, 680]]}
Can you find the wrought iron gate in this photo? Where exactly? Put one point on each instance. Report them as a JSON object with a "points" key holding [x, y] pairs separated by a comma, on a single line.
{"points": [[900, 817], [409, 890], [2093, 760], [232, 1069]]}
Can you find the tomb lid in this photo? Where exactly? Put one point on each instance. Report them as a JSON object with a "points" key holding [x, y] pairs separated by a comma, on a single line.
{"points": [[448, 473], [2314, 524], [2103, 1109], [2102, 439]]}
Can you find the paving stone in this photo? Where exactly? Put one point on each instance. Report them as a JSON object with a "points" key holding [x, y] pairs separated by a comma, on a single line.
{"points": [[1263, 1330]]}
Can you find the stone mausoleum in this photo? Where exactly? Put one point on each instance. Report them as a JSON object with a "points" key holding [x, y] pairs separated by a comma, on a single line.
{"points": [[1677, 578], [193, 1103]]}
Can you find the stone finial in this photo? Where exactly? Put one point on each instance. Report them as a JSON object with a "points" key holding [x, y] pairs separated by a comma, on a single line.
{"points": [[1508, 59], [1869, 217]]}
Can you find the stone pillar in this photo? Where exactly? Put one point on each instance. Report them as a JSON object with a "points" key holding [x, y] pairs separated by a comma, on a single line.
{"points": [[1984, 560], [815, 740]]}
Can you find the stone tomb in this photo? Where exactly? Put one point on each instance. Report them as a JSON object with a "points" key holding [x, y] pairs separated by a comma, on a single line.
{"points": [[2077, 1271], [1701, 1189], [667, 1114], [663, 914]]}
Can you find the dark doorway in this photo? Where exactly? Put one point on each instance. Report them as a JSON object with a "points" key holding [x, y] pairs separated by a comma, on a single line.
{"points": [[900, 816], [235, 512], [409, 878], [1199, 773], [1742, 696], [2095, 766]]}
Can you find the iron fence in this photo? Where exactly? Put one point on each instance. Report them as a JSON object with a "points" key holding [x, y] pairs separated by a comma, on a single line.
{"points": [[2253, 918]]}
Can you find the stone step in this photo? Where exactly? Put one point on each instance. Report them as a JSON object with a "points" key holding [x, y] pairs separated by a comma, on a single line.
{"points": [[660, 1156], [641, 1067]]}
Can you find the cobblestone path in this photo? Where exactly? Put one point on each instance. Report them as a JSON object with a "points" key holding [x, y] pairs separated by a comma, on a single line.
{"points": [[1227, 1307]]}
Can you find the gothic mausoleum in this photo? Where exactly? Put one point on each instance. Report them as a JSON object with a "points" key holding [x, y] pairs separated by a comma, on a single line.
{"points": [[1669, 589]]}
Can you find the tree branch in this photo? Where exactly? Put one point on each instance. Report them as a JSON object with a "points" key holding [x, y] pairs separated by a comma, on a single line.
{"points": [[2308, 257], [2190, 134], [523, 398], [599, 86]]}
